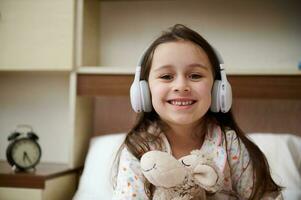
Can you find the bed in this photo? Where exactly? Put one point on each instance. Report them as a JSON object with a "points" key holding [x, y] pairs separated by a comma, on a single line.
{"points": [[268, 109]]}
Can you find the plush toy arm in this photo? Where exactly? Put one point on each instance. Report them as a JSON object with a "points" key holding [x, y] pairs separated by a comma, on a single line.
{"points": [[208, 177], [161, 194], [168, 194]]}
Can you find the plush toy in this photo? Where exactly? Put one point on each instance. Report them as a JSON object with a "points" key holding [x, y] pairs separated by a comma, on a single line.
{"points": [[184, 179]]}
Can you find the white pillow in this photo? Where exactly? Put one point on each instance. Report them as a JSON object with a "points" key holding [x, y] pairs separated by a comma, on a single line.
{"points": [[283, 152], [95, 181]]}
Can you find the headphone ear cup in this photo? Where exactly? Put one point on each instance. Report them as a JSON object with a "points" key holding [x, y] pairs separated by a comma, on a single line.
{"points": [[136, 96], [145, 96], [215, 96], [225, 97]]}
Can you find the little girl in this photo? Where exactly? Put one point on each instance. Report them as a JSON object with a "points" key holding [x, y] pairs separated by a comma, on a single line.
{"points": [[181, 113]]}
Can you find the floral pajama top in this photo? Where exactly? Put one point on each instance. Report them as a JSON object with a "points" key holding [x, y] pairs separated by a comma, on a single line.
{"points": [[232, 159]]}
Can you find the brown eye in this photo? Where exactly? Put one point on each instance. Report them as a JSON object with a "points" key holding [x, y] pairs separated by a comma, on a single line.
{"points": [[195, 76], [166, 77]]}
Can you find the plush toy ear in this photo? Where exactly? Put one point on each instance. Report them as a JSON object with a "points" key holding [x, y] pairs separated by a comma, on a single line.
{"points": [[161, 169], [207, 177]]}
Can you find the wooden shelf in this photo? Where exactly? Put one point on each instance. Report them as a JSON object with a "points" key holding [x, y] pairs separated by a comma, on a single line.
{"points": [[103, 84], [106, 70], [243, 86], [33, 179], [126, 70]]}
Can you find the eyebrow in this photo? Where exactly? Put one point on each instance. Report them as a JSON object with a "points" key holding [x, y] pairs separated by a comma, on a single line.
{"points": [[198, 65], [192, 65]]}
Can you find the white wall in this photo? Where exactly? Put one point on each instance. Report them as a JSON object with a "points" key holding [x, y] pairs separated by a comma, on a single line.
{"points": [[256, 36], [41, 100]]}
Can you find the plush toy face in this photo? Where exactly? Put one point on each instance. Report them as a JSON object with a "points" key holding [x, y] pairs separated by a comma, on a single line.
{"points": [[189, 161], [161, 169]]}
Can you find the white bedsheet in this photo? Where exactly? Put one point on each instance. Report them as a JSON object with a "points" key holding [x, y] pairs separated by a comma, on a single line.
{"points": [[283, 152]]}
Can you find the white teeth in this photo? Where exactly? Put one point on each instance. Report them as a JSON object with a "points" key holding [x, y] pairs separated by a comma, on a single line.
{"points": [[181, 103]]}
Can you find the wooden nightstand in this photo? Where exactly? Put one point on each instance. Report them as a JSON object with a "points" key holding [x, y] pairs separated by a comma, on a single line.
{"points": [[48, 182]]}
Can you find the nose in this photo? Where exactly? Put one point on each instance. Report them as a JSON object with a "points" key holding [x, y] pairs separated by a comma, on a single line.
{"points": [[181, 84]]}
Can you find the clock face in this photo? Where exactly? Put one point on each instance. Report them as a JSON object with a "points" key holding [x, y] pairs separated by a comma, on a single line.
{"points": [[26, 153]]}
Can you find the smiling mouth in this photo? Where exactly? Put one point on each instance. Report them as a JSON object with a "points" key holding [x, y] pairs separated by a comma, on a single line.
{"points": [[181, 103]]}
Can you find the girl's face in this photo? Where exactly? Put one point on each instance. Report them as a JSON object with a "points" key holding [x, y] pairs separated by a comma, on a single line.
{"points": [[180, 82]]}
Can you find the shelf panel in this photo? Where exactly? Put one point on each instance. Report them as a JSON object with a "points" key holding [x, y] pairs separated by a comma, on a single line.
{"points": [[37, 35], [106, 70]]}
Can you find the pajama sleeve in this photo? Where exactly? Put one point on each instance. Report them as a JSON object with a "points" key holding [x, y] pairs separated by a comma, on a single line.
{"points": [[240, 164], [130, 181]]}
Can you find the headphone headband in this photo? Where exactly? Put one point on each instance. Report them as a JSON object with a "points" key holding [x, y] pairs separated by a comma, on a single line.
{"points": [[137, 73], [223, 73], [219, 56]]}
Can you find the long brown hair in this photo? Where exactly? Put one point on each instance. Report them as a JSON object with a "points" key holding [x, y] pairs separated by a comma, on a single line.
{"points": [[138, 143]]}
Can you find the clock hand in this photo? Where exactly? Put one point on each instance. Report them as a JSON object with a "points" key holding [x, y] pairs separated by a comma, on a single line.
{"points": [[24, 156], [27, 157]]}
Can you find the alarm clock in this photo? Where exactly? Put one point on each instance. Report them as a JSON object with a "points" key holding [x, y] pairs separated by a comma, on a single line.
{"points": [[23, 152]]}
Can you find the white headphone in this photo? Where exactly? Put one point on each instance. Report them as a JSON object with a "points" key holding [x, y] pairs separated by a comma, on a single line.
{"points": [[221, 100]]}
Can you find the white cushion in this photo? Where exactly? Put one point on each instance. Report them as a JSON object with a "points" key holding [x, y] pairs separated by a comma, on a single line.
{"points": [[95, 181], [283, 152]]}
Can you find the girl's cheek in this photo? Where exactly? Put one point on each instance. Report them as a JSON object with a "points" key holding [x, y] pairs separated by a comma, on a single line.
{"points": [[157, 92]]}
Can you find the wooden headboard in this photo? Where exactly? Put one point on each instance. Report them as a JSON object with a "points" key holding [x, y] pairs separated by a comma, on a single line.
{"points": [[261, 103]]}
